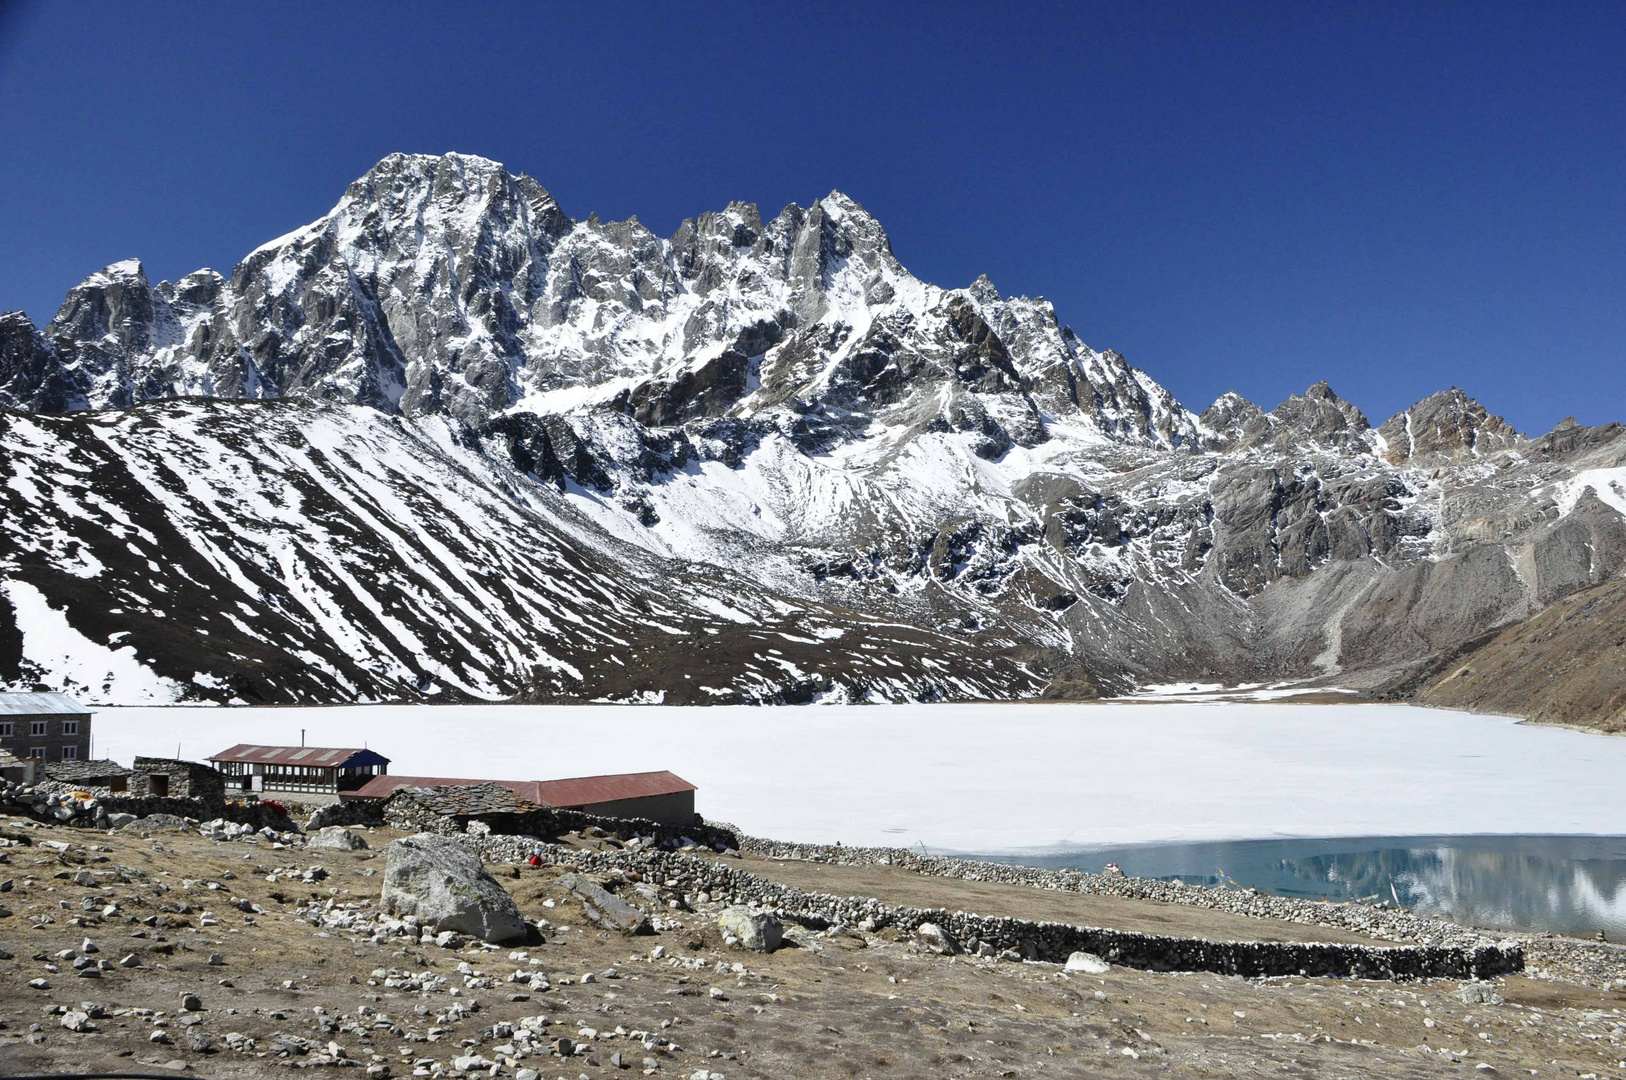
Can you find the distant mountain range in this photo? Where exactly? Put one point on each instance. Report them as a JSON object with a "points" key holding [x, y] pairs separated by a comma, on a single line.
{"points": [[448, 443]]}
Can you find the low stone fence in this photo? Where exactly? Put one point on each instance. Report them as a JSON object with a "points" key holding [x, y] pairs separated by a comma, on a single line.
{"points": [[1047, 941], [55, 804], [1387, 922]]}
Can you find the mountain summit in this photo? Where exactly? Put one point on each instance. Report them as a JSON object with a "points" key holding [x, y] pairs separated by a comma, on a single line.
{"points": [[447, 440]]}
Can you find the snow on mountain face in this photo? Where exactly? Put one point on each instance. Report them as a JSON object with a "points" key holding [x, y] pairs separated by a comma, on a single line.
{"points": [[290, 552], [522, 455]]}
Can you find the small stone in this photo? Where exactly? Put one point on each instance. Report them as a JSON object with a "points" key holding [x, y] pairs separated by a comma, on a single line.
{"points": [[89, 946], [161, 1037], [40, 984], [130, 961], [191, 1003], [216, 960], [76, 1021]]}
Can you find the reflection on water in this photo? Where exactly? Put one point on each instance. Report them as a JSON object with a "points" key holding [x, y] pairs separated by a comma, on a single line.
{"points": [[1568, 884]]}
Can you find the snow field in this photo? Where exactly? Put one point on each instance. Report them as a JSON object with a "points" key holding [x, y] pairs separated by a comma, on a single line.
{"points": [[997, 778]]}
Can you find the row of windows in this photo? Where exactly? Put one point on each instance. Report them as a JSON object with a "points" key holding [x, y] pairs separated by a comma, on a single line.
{"points": [[37, 728], [69, 753]]}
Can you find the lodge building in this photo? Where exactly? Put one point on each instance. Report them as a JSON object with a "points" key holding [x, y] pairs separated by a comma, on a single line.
{"points": [[44, 727], [298, 770]]}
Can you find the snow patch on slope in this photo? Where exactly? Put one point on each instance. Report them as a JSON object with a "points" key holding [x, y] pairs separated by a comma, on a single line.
{"points": [[72, 663]]}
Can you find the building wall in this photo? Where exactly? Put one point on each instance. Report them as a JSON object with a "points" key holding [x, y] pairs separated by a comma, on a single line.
{"points": [[187, 779], [22, 743], [676, 808]]}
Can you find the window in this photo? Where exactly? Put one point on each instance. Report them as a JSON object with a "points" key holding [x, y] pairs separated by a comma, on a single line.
{"points": [[37, 752], [70, 727], [7, 729], [70, 753], [37, 727]]}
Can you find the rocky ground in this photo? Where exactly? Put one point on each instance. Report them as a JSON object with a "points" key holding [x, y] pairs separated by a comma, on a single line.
{"points": [[246, 957]]}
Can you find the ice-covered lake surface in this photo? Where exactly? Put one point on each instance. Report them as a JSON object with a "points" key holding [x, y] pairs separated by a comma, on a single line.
{"points": [[991, 778]]}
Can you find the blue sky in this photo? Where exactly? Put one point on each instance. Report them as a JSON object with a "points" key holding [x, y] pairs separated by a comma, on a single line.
{"points": [[1394, 198]]}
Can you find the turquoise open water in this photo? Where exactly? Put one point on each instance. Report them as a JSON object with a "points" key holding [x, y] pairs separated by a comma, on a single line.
{"points": [[1566, 884]]}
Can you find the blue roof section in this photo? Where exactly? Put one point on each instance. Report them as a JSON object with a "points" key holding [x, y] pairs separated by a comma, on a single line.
{"points": [[40, 705]]}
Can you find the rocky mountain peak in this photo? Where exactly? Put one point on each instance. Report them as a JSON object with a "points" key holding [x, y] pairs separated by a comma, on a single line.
{"points": [[1448, 425], [1234, 422], [1319, 417]]}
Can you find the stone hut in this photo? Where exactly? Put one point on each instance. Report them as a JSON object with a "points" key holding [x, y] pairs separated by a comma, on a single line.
{"points": [[101, 773], [171, 778], [451, 807]]}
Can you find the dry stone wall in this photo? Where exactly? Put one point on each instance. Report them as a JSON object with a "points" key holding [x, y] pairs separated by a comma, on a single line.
{"points": [[1477, 958]]}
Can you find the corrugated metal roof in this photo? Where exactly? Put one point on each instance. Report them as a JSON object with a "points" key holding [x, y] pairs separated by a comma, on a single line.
{"points": [[326, 757], [580, 791], [40, 705], [587, 790]]}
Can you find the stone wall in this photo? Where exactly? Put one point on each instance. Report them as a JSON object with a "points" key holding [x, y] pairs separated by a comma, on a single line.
{"points": [[1384, 921], [54, 803], [185, 779], [1052, 942]]}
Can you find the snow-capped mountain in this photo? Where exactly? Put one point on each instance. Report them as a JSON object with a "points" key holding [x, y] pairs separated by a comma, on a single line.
{"points": [[447, 440]]}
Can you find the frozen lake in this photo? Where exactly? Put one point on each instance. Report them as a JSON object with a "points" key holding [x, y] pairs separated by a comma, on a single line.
{"points": [[990, 778]]}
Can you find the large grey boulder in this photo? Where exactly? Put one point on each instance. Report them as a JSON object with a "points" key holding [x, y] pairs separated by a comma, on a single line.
{"points": [[937, 939], [440, 881], [1087, 964], [604, 907], [754, 930], [337, 838]]}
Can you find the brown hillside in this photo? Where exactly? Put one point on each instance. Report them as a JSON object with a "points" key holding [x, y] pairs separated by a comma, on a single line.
{"points": [[1564, 665]]}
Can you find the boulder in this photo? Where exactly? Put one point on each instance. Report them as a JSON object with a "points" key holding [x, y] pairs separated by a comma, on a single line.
{"points": [[440, 881], [936, 939], [754, 930], [1087, 963], [155, 822], [1479, 993], [338, 838], [604, 907]]}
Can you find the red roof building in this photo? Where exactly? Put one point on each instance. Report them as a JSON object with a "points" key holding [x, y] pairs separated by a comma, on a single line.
{"points": [[658, 796]]}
